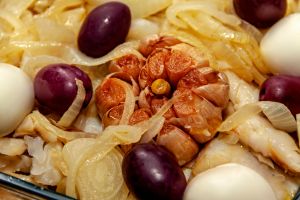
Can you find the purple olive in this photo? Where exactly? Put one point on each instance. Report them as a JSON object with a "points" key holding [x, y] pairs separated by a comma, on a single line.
{"points": [[55, 87], [152, 172], [104, 28], [260, 13], [284, 89]]}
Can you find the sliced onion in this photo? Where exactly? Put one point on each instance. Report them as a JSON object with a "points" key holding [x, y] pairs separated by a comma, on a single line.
{"points": [[142, 98], [72, 154], [264, 159], [51, 133], [249, 28], [105, 143], [13, 20], [59, 6], [103, 177], [217, 25], [70, 115], [129, 103], [32, 64], [138, 8], [292, 6], [253, 51], [226, 52], [88, 120], [205, 7], [26, 127], [187, 173], [208, 27], [135, 87], [298, 128], [126, 134], [250, 58], [72, 55], [239, 117], [279, 115], [93, 172], [54, 31], [230, 137], [15, 6], [153, 131]]}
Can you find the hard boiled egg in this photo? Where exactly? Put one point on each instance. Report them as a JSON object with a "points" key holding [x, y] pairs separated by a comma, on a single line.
{"points": [[280, 46], [229, 182], [16, 97]]}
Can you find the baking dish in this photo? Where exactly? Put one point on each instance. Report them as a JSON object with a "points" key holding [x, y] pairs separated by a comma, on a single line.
{"points": [[12, 188], [17, 189]]}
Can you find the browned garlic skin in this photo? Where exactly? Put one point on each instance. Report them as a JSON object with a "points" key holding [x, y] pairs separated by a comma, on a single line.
{"points": [[155, 42], [127, 66], [178, 142], [108, 95]]}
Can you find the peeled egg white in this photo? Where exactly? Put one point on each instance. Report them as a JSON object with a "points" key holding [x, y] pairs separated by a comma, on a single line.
{"points": [[16, 97], [280, 46], [229, 182]]}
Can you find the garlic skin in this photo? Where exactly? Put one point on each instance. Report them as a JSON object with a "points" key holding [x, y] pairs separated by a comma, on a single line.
{"points": [[16, 97], [280, 46]]}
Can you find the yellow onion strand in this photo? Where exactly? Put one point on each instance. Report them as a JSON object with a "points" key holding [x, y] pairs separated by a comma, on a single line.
{"points": [[51, 133], [207, 26], [227, 53], [204, 7], [72, 55], [153, 131], [105, 172], [129, 103], [105, 143], [298, 128], [32, 64], [239, 117], [277, 113], [94, 171], [70, 115]]}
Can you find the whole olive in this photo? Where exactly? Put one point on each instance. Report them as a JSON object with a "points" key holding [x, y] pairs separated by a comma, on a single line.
{"points": [[55, 86], [152, 173], [260, 13], [284, 89], [104, 28]]}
